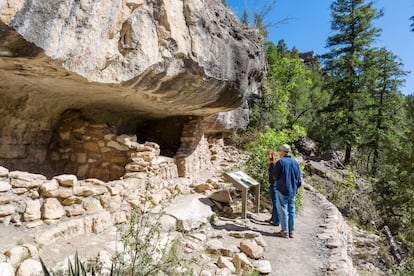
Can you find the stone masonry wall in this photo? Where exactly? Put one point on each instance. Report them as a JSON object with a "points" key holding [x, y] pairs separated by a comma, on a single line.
{"points": [[194, 155], [89, 150], [88, 204], [84, 195], [33, 200]]}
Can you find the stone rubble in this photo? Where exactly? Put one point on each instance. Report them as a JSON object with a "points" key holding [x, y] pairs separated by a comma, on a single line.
{"points": [[65, 207]]}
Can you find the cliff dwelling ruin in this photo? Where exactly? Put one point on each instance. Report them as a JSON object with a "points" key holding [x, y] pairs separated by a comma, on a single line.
{"points": [[103, 96]]}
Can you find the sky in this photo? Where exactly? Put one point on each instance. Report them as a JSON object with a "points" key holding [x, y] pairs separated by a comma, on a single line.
{"points": [[309, 25]]}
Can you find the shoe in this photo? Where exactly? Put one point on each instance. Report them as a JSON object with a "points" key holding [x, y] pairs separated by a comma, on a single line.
{"points": [[291, 235], [282, 235], [271, 222]]}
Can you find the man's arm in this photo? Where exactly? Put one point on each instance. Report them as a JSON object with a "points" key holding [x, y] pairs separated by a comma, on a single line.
{"points": [[298, 175], [277, 170]]}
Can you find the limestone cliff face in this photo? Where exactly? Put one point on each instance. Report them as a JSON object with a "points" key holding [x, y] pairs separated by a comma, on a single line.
{"points": [[122, 63]]}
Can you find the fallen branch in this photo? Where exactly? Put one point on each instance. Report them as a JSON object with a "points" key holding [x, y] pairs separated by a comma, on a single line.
{"points": [[395, 250]]}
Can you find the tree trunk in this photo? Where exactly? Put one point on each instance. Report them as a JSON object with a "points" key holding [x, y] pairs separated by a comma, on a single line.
{"points": [[348, 150], [395, 250]]}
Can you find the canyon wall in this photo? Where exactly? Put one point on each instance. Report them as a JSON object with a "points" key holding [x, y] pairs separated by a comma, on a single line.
{"points": [[135, 67]]}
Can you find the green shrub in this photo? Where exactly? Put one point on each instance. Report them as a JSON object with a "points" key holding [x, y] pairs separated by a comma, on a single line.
{"points": [[256, 164], [146, 250], [77, 269]]}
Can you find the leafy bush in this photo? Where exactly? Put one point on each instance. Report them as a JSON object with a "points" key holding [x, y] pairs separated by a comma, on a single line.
{"points": [[256, 164], [146, 250]]}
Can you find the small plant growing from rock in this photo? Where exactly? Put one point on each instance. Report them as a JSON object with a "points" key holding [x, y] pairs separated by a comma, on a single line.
{"points": [[77, 269], [146, 250]]}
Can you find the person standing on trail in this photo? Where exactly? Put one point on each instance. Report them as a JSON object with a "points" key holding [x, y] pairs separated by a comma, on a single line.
{"points": [[286, 173], [272, 157]]}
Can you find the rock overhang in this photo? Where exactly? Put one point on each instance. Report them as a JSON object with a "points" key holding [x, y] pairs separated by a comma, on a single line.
{"points": [[119, 62]]}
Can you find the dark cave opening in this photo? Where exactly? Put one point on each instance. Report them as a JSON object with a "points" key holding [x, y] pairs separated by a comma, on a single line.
{"points": [[165, 132]]}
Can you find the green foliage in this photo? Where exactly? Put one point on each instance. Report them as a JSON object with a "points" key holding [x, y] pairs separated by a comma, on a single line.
{"points": [[405, 270], [299, 199], [286, 79], [345, 186], [356, 202], [308, 98], [384, 113], [77, 269], [256, 164], [348, 45], [145, 250], [394, 186], [45, 269]]}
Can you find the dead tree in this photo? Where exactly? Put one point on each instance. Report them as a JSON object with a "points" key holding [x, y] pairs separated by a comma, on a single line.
{"points": [[395, 249]]}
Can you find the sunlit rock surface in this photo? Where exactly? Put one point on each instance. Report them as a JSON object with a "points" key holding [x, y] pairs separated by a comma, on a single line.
{"points": [[120, 63]]}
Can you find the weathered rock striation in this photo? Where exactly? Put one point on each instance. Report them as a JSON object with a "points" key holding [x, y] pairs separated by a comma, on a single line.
{"points": [[140, 67]]}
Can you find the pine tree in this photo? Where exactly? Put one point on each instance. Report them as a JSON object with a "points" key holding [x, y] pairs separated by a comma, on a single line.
{"points": [[395, 186], [383, 74], [245, 19], [308, 98], [352, 22]]}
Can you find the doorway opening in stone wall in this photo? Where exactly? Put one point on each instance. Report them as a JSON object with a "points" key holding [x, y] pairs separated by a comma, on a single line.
{"points": [[165, 132]]}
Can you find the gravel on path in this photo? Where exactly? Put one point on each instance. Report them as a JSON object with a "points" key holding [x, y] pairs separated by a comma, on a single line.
{"points": [[303, 255]]}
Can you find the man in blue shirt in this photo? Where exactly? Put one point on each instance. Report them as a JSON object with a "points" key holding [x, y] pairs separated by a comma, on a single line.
{"points": [[286, 173]]}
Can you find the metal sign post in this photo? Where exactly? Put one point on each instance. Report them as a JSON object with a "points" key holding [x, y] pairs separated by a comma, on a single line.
{"points": [[244, 182]]}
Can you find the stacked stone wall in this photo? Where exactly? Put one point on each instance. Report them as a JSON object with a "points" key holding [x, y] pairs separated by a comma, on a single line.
{"points": [[90, 150], [33, 200], [24, 144], [194, 154], [101, 175]]}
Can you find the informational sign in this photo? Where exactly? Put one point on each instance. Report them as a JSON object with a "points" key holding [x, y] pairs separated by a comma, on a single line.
{"points": [[242, 179], [244, 182]]}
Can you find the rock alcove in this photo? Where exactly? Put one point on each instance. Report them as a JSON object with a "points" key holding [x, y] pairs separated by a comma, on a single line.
{"points": [[92, 148], [85, 84]]}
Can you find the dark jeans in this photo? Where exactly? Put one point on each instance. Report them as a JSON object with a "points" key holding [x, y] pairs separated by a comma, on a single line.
{"points": [[273, 197]]}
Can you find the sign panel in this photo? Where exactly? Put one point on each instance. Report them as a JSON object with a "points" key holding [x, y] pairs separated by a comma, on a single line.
{"points": [[242, 179], [244, 182]]}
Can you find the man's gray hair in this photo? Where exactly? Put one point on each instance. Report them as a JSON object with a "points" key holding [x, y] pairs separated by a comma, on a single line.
{"points": [[285, 148]]}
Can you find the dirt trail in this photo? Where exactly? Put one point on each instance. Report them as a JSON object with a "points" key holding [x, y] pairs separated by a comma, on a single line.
{"points": [[305, 254]]}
